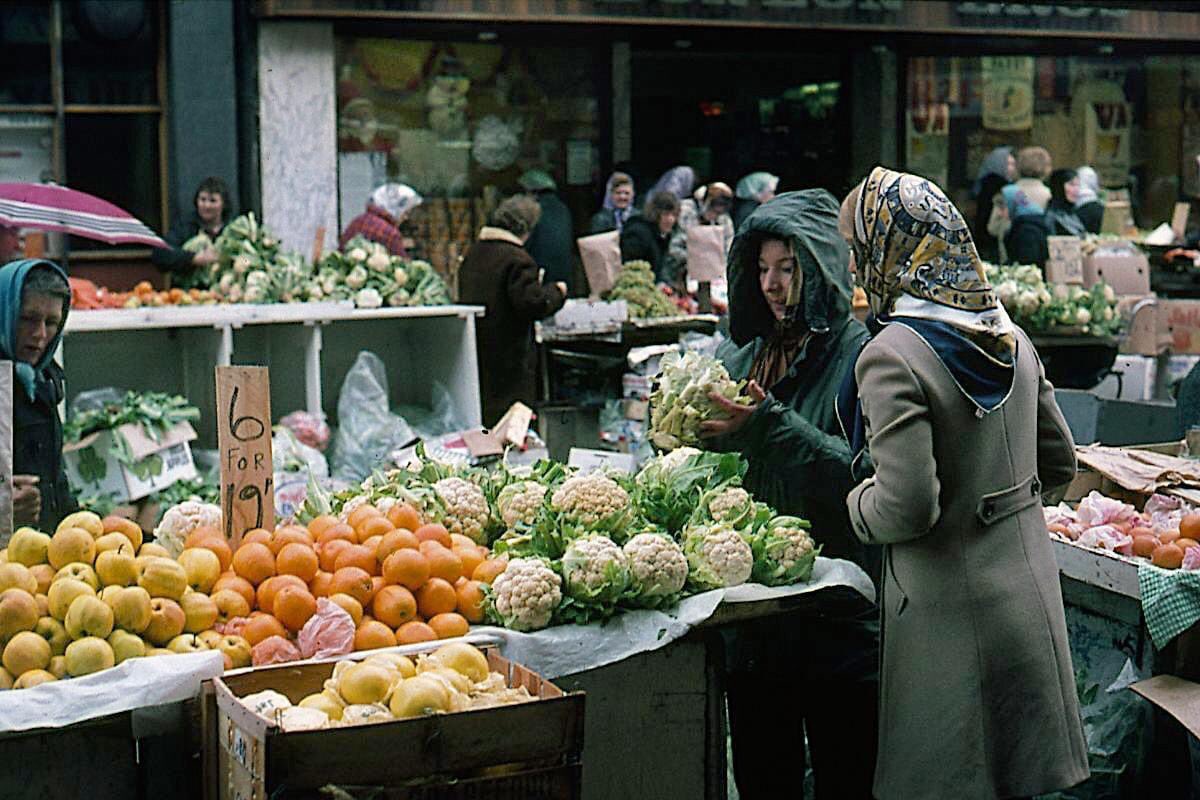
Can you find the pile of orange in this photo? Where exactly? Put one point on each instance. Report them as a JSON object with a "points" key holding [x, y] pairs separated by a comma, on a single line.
{"points": [[401, 579]]}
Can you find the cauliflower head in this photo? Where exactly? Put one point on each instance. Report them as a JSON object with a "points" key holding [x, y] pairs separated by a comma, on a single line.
{"points": [[180, 520], [717, 556], [733, 504], [519, 502], [784, 552], [590, 498], [526, 594], [658, 568], [466, 507], [595, 569]]}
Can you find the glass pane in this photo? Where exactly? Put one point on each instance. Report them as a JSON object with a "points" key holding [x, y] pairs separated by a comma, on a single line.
{"points": [[26, 142], [110, 52], [127, 174], [25, 52]]}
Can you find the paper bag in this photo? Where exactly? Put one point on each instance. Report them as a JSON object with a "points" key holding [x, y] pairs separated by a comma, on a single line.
{"points": [[706, 253], [601, 254]]}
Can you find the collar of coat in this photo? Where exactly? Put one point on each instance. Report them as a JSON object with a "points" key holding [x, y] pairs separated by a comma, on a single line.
{"points": [[489, 234]]}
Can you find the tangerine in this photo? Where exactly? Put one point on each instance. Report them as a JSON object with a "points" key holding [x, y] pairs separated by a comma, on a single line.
{"points": [[328, 552], [393, 541], [1166, 537], [373, 526], [356, 555], [471, 558], [1184, 544], [1145, 546], [255, 562], [444, 564], [415, 631], [260, 535], [1167, 556], [436, 596], [200, 533], [355, 582], [1189, 526], [449, 625], [231, 580], [373, 634], [268, 589], [394, 606], [317, 525], [322, 584], [218, 545], [260, 627], [338, 531], [349, 605], [289, 534], [360, 514], [298, 559], [470, 600], [490, 569], [434, 531], [294, 606], [404, 515], [406, 567]]}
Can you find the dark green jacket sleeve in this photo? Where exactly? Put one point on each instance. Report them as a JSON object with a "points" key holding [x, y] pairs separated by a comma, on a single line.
{"points": [[174, 258]]}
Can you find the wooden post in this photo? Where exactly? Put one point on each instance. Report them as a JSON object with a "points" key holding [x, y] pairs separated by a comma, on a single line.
{"points": [[6, 452], [244, 444], [35, 244], [704, 297], [318, 244]]}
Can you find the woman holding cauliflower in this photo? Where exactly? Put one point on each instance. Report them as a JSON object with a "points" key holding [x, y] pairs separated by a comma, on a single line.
{"points": [[794, 338], [977, 693]]}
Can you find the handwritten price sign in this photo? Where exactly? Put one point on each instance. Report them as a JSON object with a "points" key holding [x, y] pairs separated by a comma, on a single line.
{"points": [[244, 443]]}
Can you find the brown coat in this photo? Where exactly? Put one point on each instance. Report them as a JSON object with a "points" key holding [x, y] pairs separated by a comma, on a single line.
{"points": [[499, 274], [977, 692]]}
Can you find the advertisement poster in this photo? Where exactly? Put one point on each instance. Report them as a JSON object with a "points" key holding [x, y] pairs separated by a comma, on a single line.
{"points": [[1106, 140], [928, 142], [1008, 92]]}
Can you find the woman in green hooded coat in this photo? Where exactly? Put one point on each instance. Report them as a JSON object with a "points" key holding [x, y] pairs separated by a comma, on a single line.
{"points": [[34, 300], [812, 673]]}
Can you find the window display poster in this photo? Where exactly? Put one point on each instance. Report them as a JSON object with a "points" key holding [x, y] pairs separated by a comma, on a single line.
{"points": [[928, 142], [1106, 141], [358, 175], [1008, 92], [579, 162], [24, 148]]}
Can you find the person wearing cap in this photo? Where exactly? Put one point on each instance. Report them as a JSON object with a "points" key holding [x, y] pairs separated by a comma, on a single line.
{"points": [[387, 207], [34, 300], [552, 243]]}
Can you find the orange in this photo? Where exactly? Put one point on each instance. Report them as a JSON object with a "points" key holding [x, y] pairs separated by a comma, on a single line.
{"points": [[294, 606], [372, 634], [328, 552], [262, 626], [318, 525], [198, 534], [373, 526], [322, 584], [356, 555], [444, 564], [393, 541], [431, 544], [1166, 537], [349, 605], [267, 590], [289, 534], [471, 558], [1184, 544], [406, 567], [434, 531], [1189, 526], [457, 540], [372, 544], [449, 625], [260, 535], [1145, 546], [437, 596], [255, 562], [299, 560], [394, 606], [377, 583], [1167, 556], [355, 582], [339, 531], [490, 569], [413, 632], [361, 513], [470, 600], [403, 515], [237, 583], [219, 546]]}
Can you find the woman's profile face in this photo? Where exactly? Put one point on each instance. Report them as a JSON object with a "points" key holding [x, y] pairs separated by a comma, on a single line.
{"points": [[41, 317], [776, 271], [1071, 190], [1012, 167], [622, 195]]}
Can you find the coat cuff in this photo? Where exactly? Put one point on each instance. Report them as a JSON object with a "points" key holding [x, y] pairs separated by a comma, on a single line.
{"points": [[857, 519]]}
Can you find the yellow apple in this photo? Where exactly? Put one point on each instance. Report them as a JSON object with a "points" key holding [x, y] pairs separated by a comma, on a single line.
{"points": [[186, 643], [80, 572], [230, 604], [58, 667], [153, 549], [71, 544], [28, 547], [236, 649], [210, 638], [6, 679], [163, 577], [117, 567], [63, 592], [114, 541], [199, 611], [17, 576], [44, 575], [166, 621], [88, 655], [126, 527], [160, 651], [43, 603], [35, 677], [202, 567], [126, 645], [55, 633], [86, 520], [26, 651], [132, 608], [89, 616], [18, 612]]}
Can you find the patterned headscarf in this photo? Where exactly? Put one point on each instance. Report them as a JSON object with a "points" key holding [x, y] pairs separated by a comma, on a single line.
{"points": [[915, 258], [677, 180], [396, 199]]}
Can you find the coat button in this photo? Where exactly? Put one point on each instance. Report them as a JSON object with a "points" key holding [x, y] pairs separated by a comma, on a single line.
{"points": [[989, 508]]}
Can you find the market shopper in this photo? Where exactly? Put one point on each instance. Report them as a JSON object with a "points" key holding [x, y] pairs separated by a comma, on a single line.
{"points": [[793, 338], [387, 207], [211, 210], [752, 191], [708, 205], [977, 690], [552, 243], [647, 237], [998, 170], [1089, 206], [1026, 201], [498, 274], [617, 207], [1061, 216], [34, 301]]}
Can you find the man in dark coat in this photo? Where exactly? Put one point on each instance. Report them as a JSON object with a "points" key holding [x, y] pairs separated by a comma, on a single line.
{"points": [[498, 274], [552, 243]]}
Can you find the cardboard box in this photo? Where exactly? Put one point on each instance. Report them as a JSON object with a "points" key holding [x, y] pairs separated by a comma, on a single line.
{"points": [[93, 469], [1119, 264], [1065, 264], [523, 750], [637, 387], [1182, 321], [587, 460]]}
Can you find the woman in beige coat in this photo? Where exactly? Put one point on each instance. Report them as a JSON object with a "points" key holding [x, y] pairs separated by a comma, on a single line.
{"points": [[977, 692]]}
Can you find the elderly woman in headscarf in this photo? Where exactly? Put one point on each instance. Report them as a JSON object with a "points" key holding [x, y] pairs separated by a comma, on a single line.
{"points": [[1089, 204], [34, 301], [998, 170], [387, 207], [617, 206], [751, 192], [950, 400], [793, 338], [679, 181]]}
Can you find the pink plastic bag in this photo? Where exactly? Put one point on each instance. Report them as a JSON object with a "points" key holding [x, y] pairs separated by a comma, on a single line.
{"points": [[310, 429], [1096, 509], [1191, 558], [328, 633], [1106, 537], [274, 650]]}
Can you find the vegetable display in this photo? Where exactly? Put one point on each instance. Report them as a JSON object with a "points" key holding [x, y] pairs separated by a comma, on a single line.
{"points": [[365, 272], [680, 400], [1042, 307], [635, 285]]}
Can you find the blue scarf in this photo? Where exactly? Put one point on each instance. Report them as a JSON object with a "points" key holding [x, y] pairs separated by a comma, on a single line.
{"points": [[12, 281]]}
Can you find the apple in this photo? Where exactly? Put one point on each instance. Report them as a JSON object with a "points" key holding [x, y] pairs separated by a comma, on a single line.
{"points": [[86, 520], [44, 574], [18, 612], [17, 576], [58, 667], [117, 567], [163, 577], [153, 549], [71, 544], [166, 621], [230, 604], [126, 527], [35, 677], [210, 638], [89, 616], [114, 541], [126, 645], [53, 632], [80, 572], [202, 567], [160, 651], [132, 608], [236, 649], [63, 592], [199, 611], [28, 547], [26, 651], [87, 655], [187, 643]]}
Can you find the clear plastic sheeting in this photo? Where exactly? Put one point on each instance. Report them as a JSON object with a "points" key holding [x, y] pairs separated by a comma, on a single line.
{"points": [[367, 429]]}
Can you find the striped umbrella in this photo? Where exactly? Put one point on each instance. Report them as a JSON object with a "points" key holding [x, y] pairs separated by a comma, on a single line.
{"points": [[56, 208]]}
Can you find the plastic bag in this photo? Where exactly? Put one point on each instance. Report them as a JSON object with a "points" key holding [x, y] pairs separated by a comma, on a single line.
{"points": [[1096, 509], [437, 420], [274, 650], [700, 343], [97, 399], [294, 463], [367, 430], [310, 429], [328, 633]]}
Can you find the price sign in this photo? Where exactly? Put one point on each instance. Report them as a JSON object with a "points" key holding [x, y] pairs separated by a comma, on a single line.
{"points": [[244, 444], [6, 451]]}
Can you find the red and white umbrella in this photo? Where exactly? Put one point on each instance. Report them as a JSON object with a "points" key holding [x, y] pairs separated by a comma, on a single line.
{"points": [[56, 208]]}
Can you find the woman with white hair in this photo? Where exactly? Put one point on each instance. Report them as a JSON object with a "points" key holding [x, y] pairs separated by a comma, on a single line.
{"points": [[387, 207]]}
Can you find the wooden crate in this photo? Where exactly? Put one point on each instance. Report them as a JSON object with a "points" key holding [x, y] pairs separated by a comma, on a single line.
{"points": [[529, 750]]}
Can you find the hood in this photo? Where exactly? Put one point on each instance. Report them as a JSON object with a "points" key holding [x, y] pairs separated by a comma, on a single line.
{"points": [[808, 219]]}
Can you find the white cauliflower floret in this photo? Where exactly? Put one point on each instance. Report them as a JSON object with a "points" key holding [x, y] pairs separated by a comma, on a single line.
{"points": [[784, 552], [519, 502], [525, 595], [181, 520], [728, 504], [353, 503], [368, 298], [356, 278], [466, 508], [595, 569], [717, 556], [357, 254], [590, 498], [674, 459], [657, 566], [379, 262]]}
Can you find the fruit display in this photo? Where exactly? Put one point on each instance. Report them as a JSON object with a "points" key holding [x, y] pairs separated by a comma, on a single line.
{"points": [[386, 687], [565, 547], [635, 285], [86, 295], [1166, 532], [365, 272], [1041, 307], [680, 400]]}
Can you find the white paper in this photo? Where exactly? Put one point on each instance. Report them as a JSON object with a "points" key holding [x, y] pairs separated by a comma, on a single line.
{"points": [[135, 683], [1162, 235]]}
